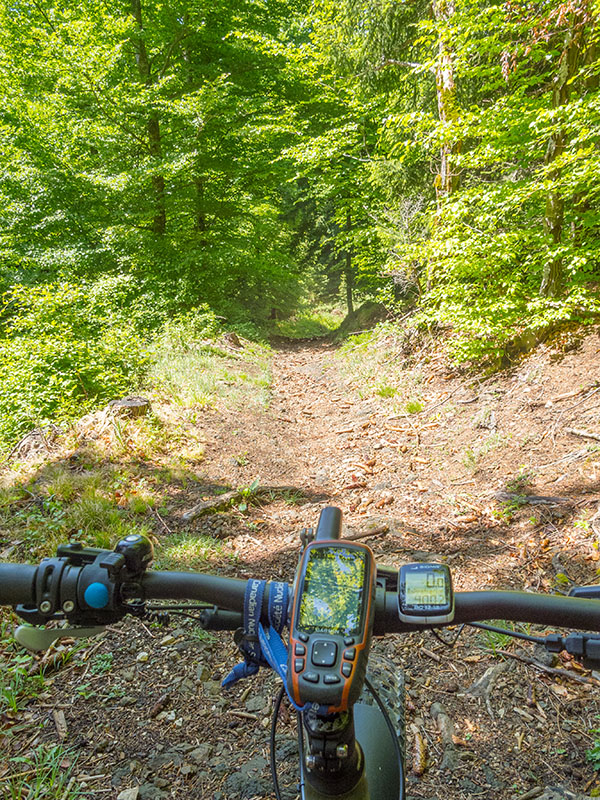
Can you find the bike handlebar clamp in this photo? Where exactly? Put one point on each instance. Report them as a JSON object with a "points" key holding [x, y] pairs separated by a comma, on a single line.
{"points": [[86, 585]]}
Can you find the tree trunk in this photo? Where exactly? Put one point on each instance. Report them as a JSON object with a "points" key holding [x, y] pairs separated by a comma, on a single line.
{"points": [[447, 180], [201, 224], [159, 221], [198, 180], [348, 269], [552, 279]]}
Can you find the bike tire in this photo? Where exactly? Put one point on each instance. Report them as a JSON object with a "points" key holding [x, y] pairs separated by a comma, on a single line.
{"points": [[388, 681], [383, 742]]}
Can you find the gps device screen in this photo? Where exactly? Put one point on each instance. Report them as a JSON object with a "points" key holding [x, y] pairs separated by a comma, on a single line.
{"points": [[425, 588], [333, 592]]}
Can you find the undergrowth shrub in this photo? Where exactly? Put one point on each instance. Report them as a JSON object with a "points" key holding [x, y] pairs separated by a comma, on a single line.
{"points": [[64, 348], [185, 330], [67, 348]]}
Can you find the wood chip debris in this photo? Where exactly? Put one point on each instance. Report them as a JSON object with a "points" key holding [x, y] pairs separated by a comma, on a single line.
{"points": [[244, 715], [60, 723], [160, 704], [446, 728], [583, 434], [213, 504]]}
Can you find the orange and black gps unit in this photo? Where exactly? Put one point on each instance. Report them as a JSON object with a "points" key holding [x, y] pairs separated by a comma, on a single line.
{"points": [[331, 624]]}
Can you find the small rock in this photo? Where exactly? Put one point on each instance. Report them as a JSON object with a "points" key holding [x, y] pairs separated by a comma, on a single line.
{"points": [[246, 782], [148, 791], [101, 746], [185, 747], [382, 486], [450, 686], [142, 657], [492, 778], [543, 656], [186, 685], [166, 759], [201, 754], [129, 674], [119, 774], [128, 700], [256, 703], [288, 748], [129, 794]]}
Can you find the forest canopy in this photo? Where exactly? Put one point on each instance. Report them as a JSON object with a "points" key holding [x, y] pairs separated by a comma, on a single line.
{"points": [[243, 161]]}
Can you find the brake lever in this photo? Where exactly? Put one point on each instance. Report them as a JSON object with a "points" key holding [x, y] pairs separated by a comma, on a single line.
{"points": [[37, 639]]}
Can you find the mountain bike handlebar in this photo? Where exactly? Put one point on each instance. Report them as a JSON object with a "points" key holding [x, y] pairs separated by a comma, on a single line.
{"points": [[19, 585]]}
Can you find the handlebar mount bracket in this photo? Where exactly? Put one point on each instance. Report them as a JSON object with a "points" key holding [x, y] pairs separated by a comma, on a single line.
{"points": [[88, 585]]}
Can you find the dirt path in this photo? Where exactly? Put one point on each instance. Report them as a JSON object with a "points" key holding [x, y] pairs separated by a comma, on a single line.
{"points": [[150, 714]]}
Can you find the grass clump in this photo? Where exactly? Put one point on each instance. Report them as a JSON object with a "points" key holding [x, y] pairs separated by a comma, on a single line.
{"points": [[98, 507], [521, 483], [376, 364], [414, 407], [188, 551], [42, 774], [99, 519], [385, 390], [17, 687], [593, 754], [194, 370]]}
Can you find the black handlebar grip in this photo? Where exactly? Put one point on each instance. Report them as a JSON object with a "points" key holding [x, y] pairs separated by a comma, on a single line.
{"points": [[17, 584], [330, 524], [553, 610]]}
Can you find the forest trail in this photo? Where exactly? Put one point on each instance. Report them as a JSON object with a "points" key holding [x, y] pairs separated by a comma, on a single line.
{"points": [[426, 477], [311, 428], [417, 481]]}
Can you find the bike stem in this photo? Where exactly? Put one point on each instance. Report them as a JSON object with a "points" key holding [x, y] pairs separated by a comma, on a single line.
{"points": [[333, 763]]}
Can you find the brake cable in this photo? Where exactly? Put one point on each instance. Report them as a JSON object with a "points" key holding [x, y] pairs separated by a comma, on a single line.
{"points": [[508, 632], [445, 642], [272, 754]]}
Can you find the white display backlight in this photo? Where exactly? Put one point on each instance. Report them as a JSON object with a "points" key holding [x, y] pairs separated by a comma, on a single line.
{"points": [[426, 588]]}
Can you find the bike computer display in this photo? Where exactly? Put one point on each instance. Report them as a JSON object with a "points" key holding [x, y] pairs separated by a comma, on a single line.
{"points": [[425, 595], [330, 629]]}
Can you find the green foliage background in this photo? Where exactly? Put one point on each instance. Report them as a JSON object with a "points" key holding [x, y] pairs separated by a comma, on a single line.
{"points": [[245, 161]]}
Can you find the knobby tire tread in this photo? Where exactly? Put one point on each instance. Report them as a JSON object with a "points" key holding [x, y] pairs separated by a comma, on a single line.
{"points": [[388, 681]]}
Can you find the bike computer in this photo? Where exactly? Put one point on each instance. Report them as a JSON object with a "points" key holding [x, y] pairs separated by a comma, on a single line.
{"points": [[331, 623], [425, 595]]}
